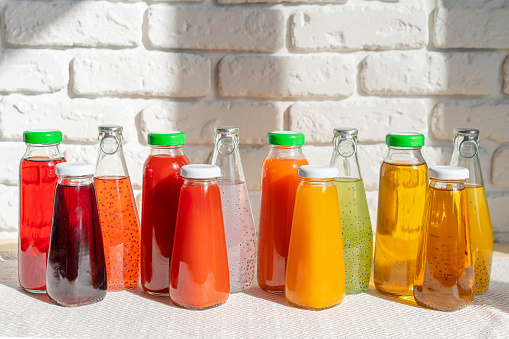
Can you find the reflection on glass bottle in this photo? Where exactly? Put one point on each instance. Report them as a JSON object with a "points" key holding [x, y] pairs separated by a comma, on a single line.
{"points": [[466, 147], [238, 219], [117, 210], [355, 221]]}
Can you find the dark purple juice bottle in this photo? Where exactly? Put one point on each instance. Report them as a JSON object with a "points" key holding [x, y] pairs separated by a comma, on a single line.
{"points": [[76, 270]]}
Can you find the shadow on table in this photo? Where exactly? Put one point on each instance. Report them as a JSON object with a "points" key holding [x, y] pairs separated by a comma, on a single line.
{"points": [[257, 292], [497, 296], [138, 290], [404, 300]]}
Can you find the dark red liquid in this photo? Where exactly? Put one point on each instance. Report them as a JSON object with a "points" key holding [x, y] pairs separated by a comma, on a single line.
{"points": [[161, 189], [76, 272], [37, 190]]}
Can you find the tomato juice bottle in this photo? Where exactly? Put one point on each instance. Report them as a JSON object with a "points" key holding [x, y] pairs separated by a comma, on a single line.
{"points": [[37, 181], [160, 197]]}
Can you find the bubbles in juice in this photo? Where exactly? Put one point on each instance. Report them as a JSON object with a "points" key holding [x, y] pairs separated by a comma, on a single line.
{"points": [[401, 202], [482, 236], [357, 234], [120, 230], [240, 234]]}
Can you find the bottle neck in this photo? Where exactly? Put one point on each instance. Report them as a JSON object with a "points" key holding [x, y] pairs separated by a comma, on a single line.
{"points": [[314, 182], [75, 180], [286, 152], [405, 156], [344, 157], [447, 185], [200, 182], [227, 157], [111, 160], [43, 152], [466, 154], [173, 151]]}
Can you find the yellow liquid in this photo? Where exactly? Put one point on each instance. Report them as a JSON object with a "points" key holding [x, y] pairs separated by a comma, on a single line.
{"points": [[444, 277], [482, 236], [400, 210], [315, 269]]}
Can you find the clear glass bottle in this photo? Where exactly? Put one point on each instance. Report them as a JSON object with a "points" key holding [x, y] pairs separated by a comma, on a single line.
{"points": [[76, 272], [117, 210], [444, 276], [279, 186], [315, 269], [355, 221], [37, 181], [465, 154], [401, 200], [199, 277], [161, 189], [238, 219]]}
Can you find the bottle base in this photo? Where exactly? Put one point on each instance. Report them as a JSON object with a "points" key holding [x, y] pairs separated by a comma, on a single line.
{"points": [[83, 303], [395, 293], [158, 294], [272, 291], [356, 291], [245, 289], [33, 291], [311, 308], [441, 308], [122, 289], [198, 308]]}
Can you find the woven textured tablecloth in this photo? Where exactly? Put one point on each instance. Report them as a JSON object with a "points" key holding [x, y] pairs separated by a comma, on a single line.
{"points": [[252, 314]]}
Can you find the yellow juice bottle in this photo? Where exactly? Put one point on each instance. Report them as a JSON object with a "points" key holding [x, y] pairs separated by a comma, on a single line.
{"points": [[401, 201], [315, 269]]}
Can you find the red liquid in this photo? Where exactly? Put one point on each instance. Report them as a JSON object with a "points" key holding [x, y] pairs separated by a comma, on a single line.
{"points": [[199, 276], [37, 190], [76, 269], [161, 190]]}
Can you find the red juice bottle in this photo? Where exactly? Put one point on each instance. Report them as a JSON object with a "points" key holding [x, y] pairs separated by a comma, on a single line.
{"points": [[199, 276], [161, 190], [37, 181], [76, 273]]}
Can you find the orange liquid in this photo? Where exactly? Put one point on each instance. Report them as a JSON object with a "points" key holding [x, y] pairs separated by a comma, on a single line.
{"points": [[120, 230], [315, 271], [401, 202], [444, 277], [279, 186]]}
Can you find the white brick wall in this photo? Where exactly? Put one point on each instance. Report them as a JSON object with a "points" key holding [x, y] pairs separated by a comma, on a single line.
{"points": [[309, 65]]}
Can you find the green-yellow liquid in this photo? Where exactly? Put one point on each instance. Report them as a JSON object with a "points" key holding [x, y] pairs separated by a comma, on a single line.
{"points": [[357, 234]]}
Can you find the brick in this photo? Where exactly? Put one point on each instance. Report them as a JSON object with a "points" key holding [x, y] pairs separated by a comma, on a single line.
{"points": [[471, 24], [33, 71], [356, 28], [373, 118], [418, 73], [500, 168], [145, 74], [72, 23], [491, 118], [499, 212], [216, 28], [198, 120], [76, 118], [287, 76], [506, 75], [280, 1], [12, 152], [9, 206]]}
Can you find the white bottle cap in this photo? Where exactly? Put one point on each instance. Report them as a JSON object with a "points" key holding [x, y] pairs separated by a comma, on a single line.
{"points": [[318, 171], [200, 171], [448, 173], [75, 169]]}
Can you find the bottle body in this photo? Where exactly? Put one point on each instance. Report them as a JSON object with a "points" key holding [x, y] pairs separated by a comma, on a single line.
{"points": [[76, 273], [37, 182], [279, 186], [160, 196], [199, 276], [444, 278], [401, 201]]}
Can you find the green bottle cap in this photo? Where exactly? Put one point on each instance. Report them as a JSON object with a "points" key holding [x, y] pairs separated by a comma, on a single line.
{"points": [[42, 136], [171, 138], [404, 139], [285, 138]]}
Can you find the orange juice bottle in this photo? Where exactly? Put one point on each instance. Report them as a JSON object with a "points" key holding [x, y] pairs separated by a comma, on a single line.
{"points": [[279, 185], [444, 276], [401, 196], [315, 270], [466, 145]]}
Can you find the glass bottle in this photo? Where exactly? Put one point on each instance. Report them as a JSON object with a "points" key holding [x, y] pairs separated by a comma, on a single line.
{"points": [[315, 269], [238, 219], [37, 181], [117, 211], [444, 277], [355, 221], [76, 272], [160, 197], [279, 186], [199, 276], [401, 200], [465, 154]]}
